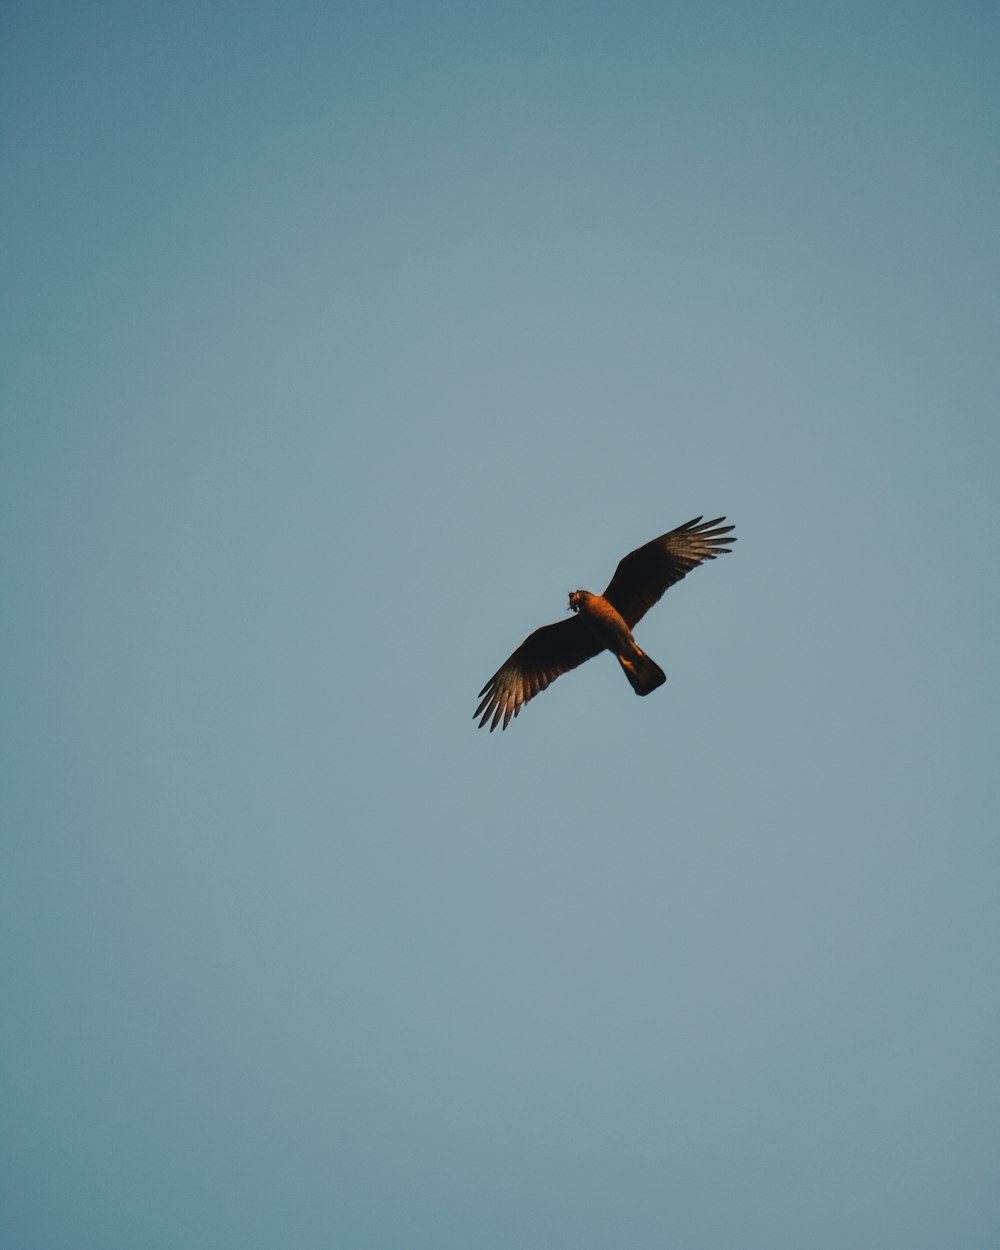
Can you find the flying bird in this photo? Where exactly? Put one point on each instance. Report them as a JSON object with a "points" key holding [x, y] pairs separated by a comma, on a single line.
{"points": [[604, 622]]}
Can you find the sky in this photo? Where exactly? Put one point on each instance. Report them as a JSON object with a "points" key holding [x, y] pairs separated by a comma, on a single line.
{"points": [[339, 343]]}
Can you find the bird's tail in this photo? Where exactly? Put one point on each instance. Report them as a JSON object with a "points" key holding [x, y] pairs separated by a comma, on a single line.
{"points": [[644, 674]]}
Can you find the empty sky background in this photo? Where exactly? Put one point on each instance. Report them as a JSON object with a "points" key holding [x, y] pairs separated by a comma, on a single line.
{"points": [[339, 343]]}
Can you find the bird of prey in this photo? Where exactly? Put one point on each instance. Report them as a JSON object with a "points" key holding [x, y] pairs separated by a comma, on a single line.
{"points": [[604, 622]]}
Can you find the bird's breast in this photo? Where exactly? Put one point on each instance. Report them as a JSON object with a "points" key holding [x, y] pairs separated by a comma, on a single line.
{"points": [[606, 624]]}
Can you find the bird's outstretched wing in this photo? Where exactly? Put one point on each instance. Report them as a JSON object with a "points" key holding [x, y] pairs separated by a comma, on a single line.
{"points": [[537, 662], [644, 574]]}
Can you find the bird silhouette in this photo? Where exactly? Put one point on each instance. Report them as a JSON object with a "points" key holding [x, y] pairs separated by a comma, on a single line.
{"points": [[604, 622]]}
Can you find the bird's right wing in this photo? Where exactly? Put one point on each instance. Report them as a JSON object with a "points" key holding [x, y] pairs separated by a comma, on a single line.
{"points": [[537, 662], [645, 574]]}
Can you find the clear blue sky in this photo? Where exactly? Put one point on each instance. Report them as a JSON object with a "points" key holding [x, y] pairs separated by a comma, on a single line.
{"points": [[339, 342]]}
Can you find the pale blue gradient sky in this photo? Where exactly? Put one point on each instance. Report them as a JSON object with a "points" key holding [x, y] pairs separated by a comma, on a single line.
{"points": [[339, 343]]}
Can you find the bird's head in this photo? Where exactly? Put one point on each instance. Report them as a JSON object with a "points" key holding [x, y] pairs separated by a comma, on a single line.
{"points": [[577, 599]]}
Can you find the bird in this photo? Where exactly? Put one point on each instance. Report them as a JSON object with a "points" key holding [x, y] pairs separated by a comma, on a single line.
{"points": [[604, 622]]}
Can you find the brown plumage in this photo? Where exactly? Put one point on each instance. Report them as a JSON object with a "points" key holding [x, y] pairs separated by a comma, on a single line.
{"points": [[604, 622]]}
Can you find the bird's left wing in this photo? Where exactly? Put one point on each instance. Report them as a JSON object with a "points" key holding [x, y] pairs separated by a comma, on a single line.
{"points": [[537, 662], [646, 573]]}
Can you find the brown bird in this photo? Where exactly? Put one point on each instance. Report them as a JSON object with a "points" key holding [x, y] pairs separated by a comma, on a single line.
{"points": [[604, 622]]}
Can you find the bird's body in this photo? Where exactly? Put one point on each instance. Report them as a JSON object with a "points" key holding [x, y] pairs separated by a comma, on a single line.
{"points": [[608, 626], [604, 622]]}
